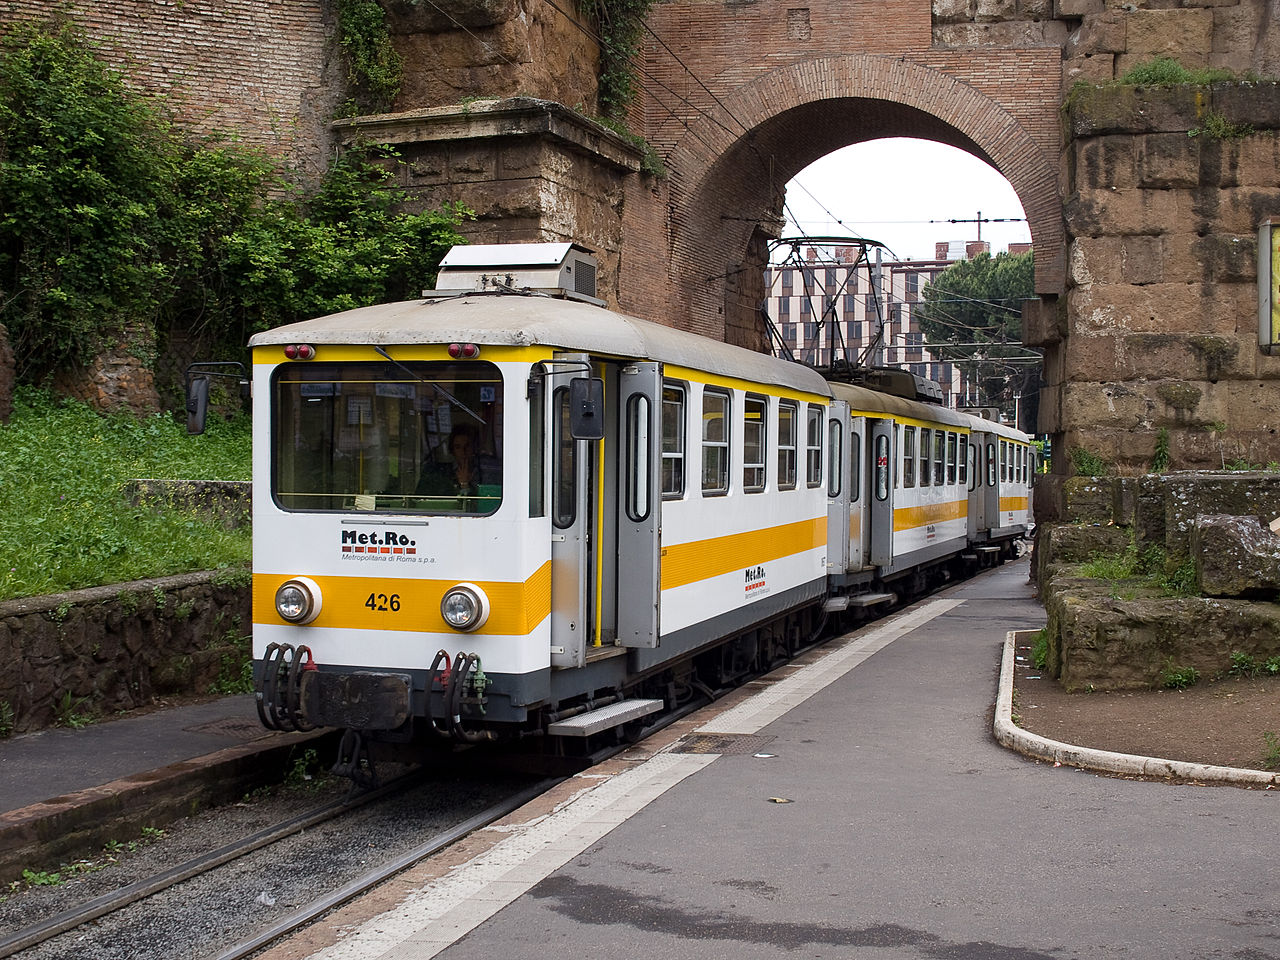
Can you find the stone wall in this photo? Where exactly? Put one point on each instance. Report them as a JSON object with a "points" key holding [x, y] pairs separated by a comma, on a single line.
{"points": [[91, 653], [1165, 189], [1196, 577]]}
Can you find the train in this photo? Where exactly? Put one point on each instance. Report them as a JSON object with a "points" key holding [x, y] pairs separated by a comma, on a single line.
{"points": [[505, 511]]}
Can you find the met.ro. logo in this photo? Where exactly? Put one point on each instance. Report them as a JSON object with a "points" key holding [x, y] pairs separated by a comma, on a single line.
{"points": [[390, 542]]}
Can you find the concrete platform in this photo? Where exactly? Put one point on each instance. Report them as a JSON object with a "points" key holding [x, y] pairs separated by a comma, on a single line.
{"points": [[63, 793]]}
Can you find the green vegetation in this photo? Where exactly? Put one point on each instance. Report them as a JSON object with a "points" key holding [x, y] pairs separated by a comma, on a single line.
{"points": [[235, 669], [374, 69], [1149, 569], [67, 712], [1160, 462], [1088, 464], [1174, 677], [1271, 759], [61, 471], [1165, 71], [1214, 126], [1040, 648], [115, 228], [971, 313], [1246, 665], [6, 719], [620, 25]]}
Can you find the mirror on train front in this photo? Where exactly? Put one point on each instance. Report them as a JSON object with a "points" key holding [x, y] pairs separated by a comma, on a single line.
{"points": [[197, 404], [586, 408]]}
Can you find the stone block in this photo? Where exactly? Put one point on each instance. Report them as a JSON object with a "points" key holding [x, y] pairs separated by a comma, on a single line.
{"points": [[1235, 557], [1183, 497], [952, 11], [1168, 160], [987, 11], [1062, 543], [1088, 500], [1259, 157], [1110, 636], [1093, 211], [1106, 163], [1253, 102], [1095, 260], [1044, 321], [1078, 8], [1094, 111], [1103, 33], [1088, 68], [1186, 34]]}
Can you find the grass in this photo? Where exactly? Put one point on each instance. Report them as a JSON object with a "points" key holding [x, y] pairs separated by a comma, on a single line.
{"points": [[62, 468]]}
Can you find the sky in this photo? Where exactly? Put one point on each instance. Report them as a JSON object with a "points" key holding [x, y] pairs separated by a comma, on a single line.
{"points": [[889, 190]]}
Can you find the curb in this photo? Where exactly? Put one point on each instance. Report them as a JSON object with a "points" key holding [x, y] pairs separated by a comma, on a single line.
{"points": [[1042, 748], [78, 824]]}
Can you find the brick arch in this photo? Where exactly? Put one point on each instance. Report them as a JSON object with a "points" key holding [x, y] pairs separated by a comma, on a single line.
{"points": [[729, 169]]}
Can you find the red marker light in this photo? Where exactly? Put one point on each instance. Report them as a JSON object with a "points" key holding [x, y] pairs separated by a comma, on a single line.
{"points": [[291, 352], [455, 350], [299, 351], [470, 351]]}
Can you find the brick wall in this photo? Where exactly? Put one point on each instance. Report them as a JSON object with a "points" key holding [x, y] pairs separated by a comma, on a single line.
{"points": [[264, 71]]}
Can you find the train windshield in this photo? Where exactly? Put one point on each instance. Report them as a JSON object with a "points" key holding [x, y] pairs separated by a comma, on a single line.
{"points": [[419, 437]]}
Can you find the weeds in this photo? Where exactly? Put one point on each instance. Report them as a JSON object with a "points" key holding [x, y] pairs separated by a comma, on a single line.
{"points": [[1271, 759], [1040, 649], [7, 719], [67, 712], [1089, 464], [1246, 665], [1174, 677]]}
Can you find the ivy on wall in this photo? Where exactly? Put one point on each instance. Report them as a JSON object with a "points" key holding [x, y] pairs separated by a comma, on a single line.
{"points": [[374, 68], [621, 25]]}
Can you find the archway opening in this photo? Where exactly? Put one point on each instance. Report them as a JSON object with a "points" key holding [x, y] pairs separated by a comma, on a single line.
{"points": [[931, 279]]}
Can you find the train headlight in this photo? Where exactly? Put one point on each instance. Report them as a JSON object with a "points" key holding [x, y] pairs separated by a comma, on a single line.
{"points": [[298, 600], [465, 607]]}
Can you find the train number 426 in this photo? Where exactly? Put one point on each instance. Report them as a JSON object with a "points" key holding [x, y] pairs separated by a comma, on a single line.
{"points": [[381, 603]]}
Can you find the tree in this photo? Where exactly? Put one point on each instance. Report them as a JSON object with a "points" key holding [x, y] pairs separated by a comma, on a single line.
{"points": [[971, 314]]}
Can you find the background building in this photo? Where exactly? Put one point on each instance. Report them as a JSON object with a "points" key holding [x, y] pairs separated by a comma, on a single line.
{"points": [[828, 304]]}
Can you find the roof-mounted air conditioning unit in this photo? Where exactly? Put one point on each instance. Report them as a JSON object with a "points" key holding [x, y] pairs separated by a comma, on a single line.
{"points": [[561, 269]]}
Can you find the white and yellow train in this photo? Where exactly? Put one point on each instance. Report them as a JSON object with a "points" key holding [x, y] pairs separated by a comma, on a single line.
{"points": [[505, 510]]}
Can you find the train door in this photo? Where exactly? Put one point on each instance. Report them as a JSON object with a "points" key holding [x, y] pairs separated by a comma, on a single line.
{"points": [[975, 485], [839, 468], [574, 476], [860, 469], [639, 504], [880, 482]]}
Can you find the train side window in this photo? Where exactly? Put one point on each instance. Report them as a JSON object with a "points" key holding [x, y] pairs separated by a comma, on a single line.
{"points": [[673, 445], [855, 467], [926, 437], [755, 411], [882, 467], [962, 463], [715, 442], [537, 449], [787, 429], [951, 457], [908, 456], [813, 446], [565, 465], [1022, 464], [638, 450], [939, 455], [1004, 461], [991, 464], [834, 452]]}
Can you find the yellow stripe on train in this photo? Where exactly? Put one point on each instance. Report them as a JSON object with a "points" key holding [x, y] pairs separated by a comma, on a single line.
{"points": [[908, 518], [1013, 503], [388, 603], [685, 563]]}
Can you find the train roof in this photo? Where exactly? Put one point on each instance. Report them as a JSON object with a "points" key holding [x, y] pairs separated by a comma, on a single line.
{"points": [[517, 320]]}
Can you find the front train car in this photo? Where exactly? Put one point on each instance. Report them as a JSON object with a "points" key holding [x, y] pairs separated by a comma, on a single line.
{"points": [[459, 511]]}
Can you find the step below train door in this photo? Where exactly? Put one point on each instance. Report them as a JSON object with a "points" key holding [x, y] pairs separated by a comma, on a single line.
{"points": [[881, 457], [576, 407], [639, 507]]}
